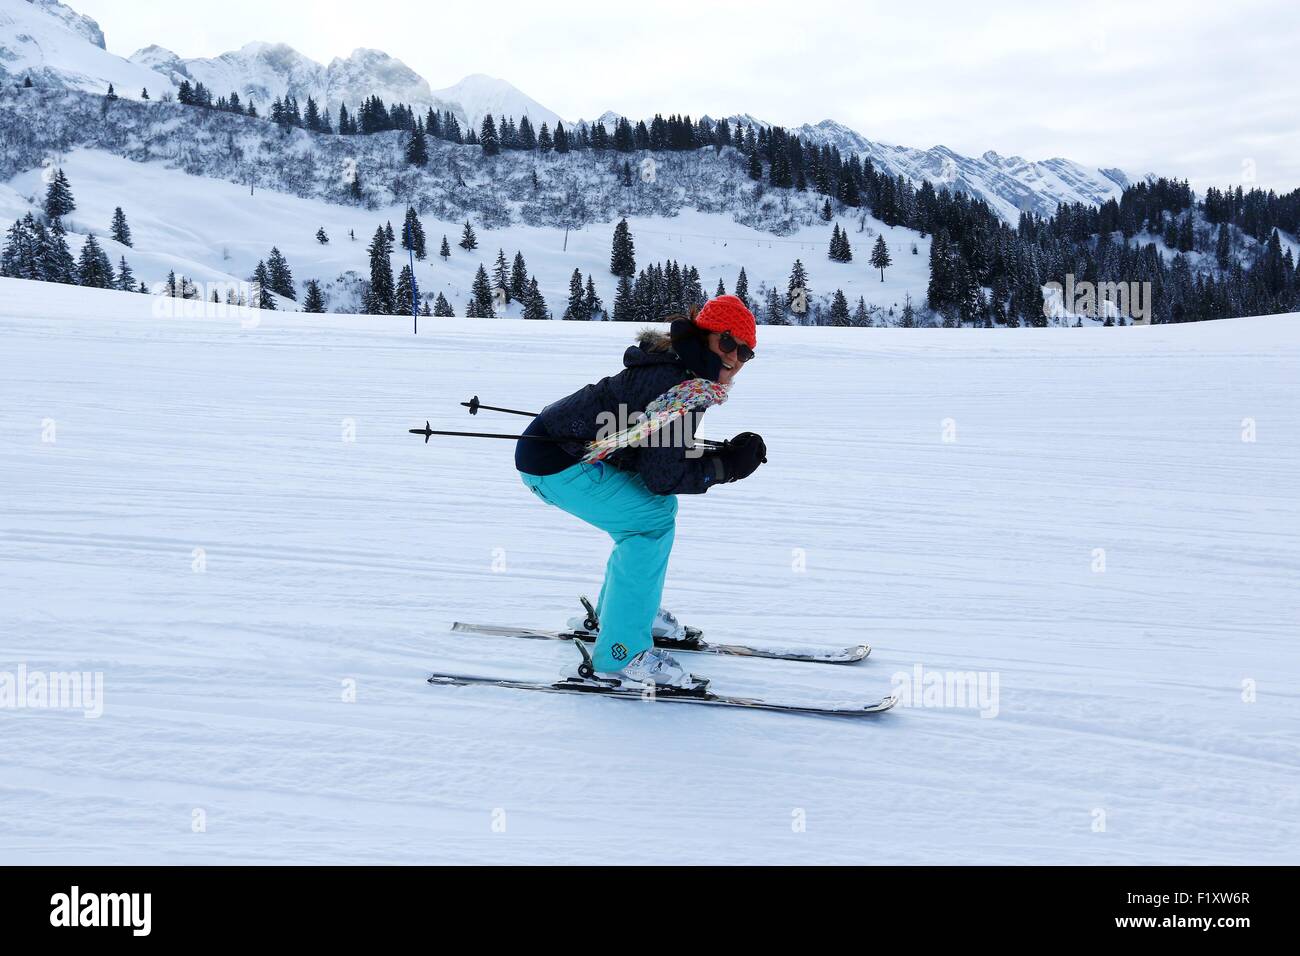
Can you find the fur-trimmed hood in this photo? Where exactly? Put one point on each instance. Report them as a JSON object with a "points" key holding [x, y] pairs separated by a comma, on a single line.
{"points": [[650, 339]]}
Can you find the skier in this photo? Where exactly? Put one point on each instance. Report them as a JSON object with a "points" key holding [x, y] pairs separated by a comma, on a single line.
{"points": [[631, 494]]}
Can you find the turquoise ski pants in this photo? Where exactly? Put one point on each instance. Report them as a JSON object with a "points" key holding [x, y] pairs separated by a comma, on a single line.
{"points": [[642, 525]]}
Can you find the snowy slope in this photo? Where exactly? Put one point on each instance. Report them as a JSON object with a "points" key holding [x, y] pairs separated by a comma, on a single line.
{"points": [[263, 72], [211, 230], [55, 46], [331, 561]]}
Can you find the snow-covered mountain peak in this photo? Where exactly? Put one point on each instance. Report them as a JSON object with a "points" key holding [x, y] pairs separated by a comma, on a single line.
{"points": [[53, 45], [78, 23], [479, 94]]}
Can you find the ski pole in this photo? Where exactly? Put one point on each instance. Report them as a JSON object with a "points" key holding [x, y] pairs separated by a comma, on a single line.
{"points": [[427, 432], [474, 405]]}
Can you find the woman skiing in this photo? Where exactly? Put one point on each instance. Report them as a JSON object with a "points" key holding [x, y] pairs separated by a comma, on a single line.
{"points": [[626, 483]]}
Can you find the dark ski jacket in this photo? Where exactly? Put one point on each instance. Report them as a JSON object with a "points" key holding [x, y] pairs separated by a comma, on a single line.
{"points": [[650, 368]]}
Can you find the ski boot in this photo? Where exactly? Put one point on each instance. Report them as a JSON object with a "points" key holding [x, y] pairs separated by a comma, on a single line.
{"points": [[651, 667], [666, 630]]}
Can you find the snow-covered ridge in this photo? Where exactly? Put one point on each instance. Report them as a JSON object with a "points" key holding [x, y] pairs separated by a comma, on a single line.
{"points": [[78, 23], [54, 45], [1010, 185], [262, 72]]}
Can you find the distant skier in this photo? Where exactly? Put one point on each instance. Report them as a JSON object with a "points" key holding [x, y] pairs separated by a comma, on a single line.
{"points": [[631, 493]]}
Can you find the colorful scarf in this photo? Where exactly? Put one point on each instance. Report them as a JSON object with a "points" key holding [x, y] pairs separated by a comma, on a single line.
{"points": [[695, 394]]}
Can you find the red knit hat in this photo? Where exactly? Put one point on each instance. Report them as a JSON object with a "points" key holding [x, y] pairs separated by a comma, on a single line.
{"points": [[726, 313]]}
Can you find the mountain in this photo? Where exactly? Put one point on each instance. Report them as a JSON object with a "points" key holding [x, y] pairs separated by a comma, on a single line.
{"points": [[478, 95], [263, 72], [53, 45], [1009, 185]]}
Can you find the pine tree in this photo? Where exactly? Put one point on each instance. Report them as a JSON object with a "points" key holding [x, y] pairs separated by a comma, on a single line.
{"points": [[501, 276], [861, 317], [281, 278], [535, 303], [839, 309], [742, 286], [908, 319], [797, 292], [125, 277], [413, 234], [468, 241], [417, 150], [827, 214], [57, 264], [775, 308], [442, 308], [488, 137], [721, 290], [261, 297], [408, 291], [1221, 247], [482, 290], [839, 249], [622, 259], [381, 299], [58, 196], [313, 301], [93, 268], [575, 310], [519, 277], [120, 231], [880, 256], [445, 251], [592, 305], [322, 237], [18, 260], [624, 310]]}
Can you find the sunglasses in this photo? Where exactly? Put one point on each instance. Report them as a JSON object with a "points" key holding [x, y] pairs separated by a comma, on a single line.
{"points": [[728, 343]]}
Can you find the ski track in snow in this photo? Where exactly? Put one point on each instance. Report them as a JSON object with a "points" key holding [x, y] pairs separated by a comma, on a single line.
{"points": [[328, 561]]}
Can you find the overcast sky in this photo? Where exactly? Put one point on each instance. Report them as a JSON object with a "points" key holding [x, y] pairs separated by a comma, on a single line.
{"points": [[1206, 91]]}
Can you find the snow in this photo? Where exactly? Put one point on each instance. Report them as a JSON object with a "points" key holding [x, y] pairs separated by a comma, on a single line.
{"points": [[479, 94], [1120, 692], [214, 231], [54, 45]]}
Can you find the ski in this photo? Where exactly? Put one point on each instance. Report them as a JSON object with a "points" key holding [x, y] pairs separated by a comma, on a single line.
{"points": [[691, 643], [663, 695]]}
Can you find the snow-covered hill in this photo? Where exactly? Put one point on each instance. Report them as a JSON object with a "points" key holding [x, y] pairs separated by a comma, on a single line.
{"points": [[215, 231], [227, 520], [52, 45]]}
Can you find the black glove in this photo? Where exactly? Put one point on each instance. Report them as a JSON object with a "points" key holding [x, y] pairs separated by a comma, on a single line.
{"points": [[742, 456]]}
